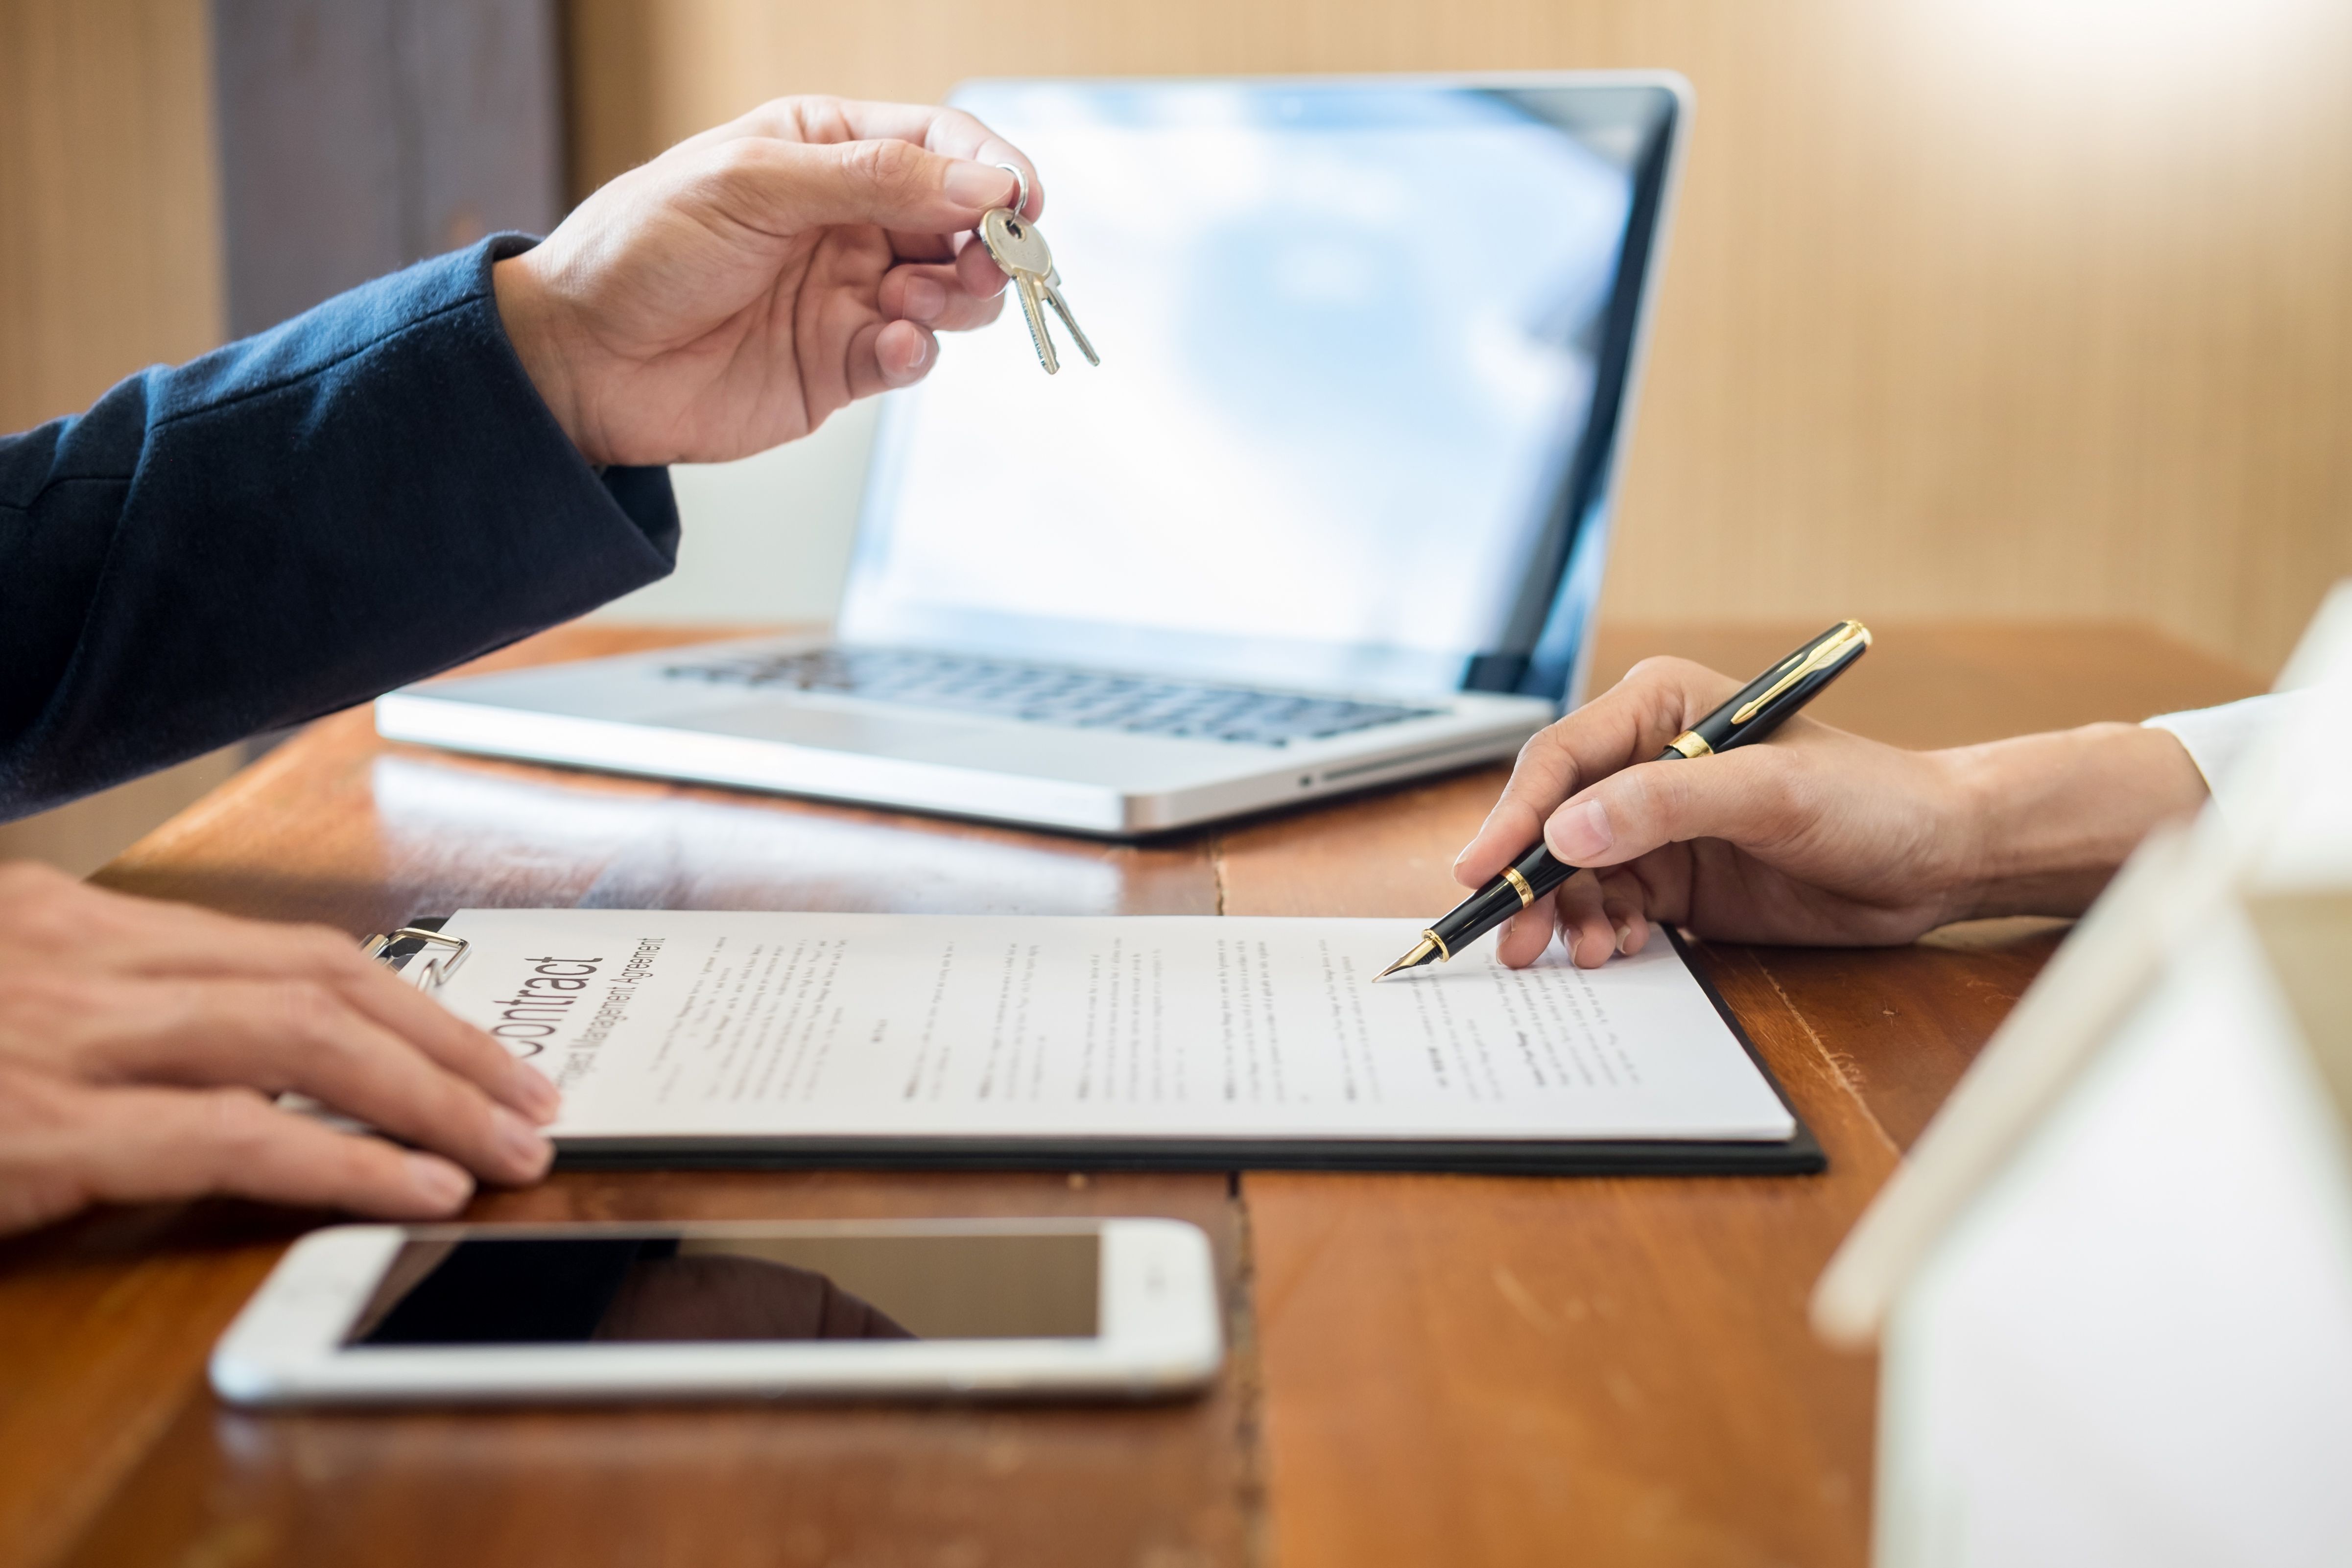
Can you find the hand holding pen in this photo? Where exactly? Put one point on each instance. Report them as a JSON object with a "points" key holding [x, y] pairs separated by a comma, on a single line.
{"points": [[1665, 841], [1820, 838]]}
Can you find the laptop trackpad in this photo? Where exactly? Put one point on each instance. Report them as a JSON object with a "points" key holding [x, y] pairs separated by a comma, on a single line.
{"points": [[930, 738]]}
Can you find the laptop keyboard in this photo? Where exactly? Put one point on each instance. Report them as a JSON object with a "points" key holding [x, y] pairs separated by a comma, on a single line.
{"points": [[1054, 694]]}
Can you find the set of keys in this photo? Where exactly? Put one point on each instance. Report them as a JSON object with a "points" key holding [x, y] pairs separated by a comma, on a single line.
{"points": [[1021, 253]]}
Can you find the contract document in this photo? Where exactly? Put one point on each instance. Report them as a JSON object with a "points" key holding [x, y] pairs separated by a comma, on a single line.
{"points": [[691, 1037]]}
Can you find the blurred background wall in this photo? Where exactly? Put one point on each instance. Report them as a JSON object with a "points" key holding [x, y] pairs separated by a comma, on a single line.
{"points": [[110, 258], [173, 173], [357, 136], [1975, 307], [1993, 309]]}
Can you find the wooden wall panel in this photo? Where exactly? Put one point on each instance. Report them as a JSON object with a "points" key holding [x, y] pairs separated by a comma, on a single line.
{"points": [[109, 225], [1976, 307], [357, 136]]}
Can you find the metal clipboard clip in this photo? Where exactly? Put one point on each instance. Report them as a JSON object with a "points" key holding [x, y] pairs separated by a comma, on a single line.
{"points": [[396, 948]]}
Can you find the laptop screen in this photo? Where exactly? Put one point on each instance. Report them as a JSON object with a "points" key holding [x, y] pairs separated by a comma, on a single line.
{"points": [[1363, 345]]}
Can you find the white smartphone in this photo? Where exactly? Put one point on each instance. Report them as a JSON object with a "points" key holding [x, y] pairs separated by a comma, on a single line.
{"points": [[1036, 1307]]}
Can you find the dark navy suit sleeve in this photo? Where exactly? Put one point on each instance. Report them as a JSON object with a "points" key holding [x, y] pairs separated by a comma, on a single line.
{"points": [[367, 494]]}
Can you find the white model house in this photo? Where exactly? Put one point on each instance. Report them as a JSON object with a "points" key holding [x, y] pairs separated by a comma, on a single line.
{"points": [[2113, 1288]]}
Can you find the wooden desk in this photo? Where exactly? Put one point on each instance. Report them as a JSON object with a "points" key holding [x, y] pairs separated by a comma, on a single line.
{"points": [[1425, 1369]]}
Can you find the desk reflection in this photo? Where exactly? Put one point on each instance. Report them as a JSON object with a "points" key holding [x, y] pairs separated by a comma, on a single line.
{"points": [[665, 850]]}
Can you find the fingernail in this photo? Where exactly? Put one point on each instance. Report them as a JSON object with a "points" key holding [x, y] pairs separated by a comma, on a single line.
{"points": [[925, 298], [979, 185], [523, 1145], [1580, 835], [1624, 936], [437, 1181], [538, 1097]]}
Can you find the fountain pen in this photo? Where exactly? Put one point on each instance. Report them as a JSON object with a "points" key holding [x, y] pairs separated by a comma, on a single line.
{"points": [[1754, 712]]}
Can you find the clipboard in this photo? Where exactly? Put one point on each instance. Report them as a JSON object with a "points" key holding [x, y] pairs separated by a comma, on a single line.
{"points": [[1800, 1155]]}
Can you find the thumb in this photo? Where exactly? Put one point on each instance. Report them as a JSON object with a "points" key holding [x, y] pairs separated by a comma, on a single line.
{"points": [[1742, 798], [786, 187]]}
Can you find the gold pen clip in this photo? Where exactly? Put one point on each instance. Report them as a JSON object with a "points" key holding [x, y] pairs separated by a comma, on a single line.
{"points": [[1828, 651]]}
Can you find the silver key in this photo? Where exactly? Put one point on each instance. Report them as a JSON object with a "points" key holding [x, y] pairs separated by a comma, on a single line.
{"points": [[1053, 291], [1022, 254]]}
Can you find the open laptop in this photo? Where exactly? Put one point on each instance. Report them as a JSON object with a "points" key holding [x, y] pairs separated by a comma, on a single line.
{"points": [[1331, 514]]}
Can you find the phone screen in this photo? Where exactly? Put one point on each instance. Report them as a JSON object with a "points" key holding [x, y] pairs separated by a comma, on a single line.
{"points": [[680, 1286]]}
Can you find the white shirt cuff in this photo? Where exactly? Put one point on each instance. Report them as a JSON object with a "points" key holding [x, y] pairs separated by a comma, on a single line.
{"points": [[2218, 740]]}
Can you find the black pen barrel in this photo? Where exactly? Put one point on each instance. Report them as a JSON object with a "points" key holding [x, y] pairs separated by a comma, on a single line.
{"points": [[1766, 702], [1535, 874]]}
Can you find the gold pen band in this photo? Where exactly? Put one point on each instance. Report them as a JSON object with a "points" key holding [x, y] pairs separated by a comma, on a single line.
{"points": [[1690, 743], [1443, 951], [1526, 894]]}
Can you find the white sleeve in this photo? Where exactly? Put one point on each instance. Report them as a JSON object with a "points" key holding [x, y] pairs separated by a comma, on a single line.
{"points": [[2219, 739]]}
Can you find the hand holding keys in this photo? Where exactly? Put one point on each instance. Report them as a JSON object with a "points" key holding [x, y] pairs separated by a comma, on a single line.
{"points": [[1021, 253]]}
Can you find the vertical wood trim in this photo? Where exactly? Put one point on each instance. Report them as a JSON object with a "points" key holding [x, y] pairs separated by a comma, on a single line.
{"points": [[359, 136], [109, 249]]}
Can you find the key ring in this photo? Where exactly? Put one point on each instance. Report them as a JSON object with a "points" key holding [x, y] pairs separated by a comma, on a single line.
{"points": [[1020, 202]]}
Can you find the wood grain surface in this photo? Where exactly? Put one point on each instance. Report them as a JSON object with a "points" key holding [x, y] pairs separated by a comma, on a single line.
{"points": [[1425, 1369], [721, 1485]]}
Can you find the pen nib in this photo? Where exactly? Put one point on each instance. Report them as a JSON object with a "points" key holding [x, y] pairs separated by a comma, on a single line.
{"points": [[1413, 959]]}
